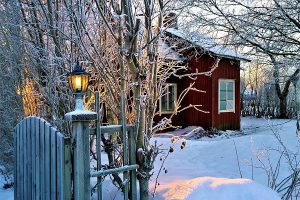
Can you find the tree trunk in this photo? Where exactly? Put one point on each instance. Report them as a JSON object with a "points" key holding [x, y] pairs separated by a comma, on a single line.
{"points": [[282, 108], [282, 94], [144, 188]]}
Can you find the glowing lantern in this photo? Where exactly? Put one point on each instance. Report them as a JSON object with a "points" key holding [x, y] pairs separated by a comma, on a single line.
{"points": [[78, 79]]}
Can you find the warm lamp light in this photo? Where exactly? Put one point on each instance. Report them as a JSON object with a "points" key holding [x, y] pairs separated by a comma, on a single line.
{"points": [[78, 79]]}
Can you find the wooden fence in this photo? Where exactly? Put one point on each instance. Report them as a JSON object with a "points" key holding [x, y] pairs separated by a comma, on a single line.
{"points": [[42, 161], [129, 153]]}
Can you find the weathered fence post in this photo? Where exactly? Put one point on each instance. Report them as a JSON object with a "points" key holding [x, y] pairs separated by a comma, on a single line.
{"points": [[81, 159]]}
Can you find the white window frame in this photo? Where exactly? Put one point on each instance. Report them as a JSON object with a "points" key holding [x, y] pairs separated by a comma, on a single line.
{"points": [[166, 86], [219, 92]]}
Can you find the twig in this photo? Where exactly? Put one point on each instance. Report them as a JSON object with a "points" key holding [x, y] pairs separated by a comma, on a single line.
{"points": [[237, 158]]}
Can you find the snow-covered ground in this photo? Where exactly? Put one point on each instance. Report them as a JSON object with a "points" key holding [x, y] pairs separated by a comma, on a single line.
{"points": [[212, 188], [5, 194], [223, 166], [216, 157]]}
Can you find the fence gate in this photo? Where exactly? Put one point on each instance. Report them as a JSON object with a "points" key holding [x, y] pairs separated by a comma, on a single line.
{"points": [[129, 153], [42, 161]]}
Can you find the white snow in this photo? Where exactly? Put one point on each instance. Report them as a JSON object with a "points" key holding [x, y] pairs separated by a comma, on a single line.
{"points": [[5, 194], [215, 157], [207, 44], [208, 168], [79, 112], [211, 188], [166, 52]]}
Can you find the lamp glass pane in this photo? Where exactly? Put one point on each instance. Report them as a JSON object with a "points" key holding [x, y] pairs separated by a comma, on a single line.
{"points": [[76, 83], [85, 82]]}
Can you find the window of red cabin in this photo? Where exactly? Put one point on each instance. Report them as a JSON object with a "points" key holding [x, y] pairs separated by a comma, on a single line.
{"points": [[168, 98], [226, 95]]}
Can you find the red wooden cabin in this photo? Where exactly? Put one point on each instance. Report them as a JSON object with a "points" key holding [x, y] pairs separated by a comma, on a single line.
{"points": [[221, 99]]}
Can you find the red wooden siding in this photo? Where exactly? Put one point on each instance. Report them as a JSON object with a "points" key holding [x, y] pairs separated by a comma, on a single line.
{"points": [[228, 69], [191, 116]]}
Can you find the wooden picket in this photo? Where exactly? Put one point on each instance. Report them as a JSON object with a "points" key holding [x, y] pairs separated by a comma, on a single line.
{"points": [[42, 161]]}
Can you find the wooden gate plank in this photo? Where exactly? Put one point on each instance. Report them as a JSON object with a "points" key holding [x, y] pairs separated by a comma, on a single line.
{"points": [[37, 160], [28, 159], [47, 161], [67, 168], [22, 159], [33, 149], [24, 166], [42, 158], [53, 163], [17, 162], [60, 158]]}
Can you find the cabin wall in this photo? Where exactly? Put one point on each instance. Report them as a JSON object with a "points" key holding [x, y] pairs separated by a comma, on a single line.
{"points": [[190, 116], [228, 69]]}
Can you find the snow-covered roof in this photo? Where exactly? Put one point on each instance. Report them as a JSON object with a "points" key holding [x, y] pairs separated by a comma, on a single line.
{"points": [[207, 44], [167, 52]]}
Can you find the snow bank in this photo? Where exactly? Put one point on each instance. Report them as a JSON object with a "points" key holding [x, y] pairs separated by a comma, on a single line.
{"points": [[211, 188]]}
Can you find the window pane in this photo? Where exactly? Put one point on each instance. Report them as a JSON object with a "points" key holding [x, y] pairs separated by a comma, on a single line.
{"points": [[223, 85], [229, 105], [229, 95], [171, 97], [222, 105], [164, 103], [222, 95], [230, 86]]}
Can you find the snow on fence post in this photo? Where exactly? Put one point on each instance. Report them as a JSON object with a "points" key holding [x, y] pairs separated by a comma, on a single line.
{"points": [[81, 160]]}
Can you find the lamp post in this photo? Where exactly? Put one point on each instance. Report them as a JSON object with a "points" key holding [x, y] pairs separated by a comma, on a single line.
{"points": [[78, 81]]}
